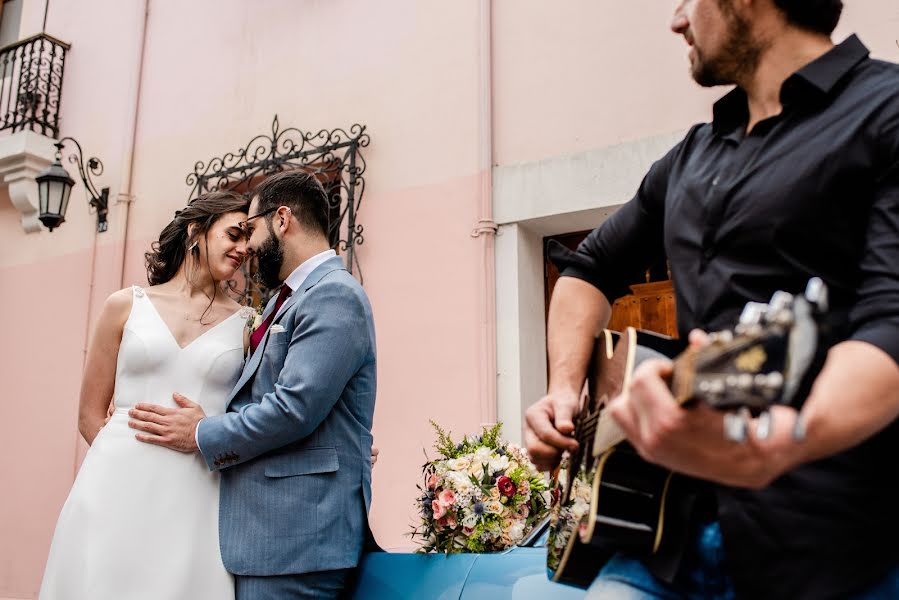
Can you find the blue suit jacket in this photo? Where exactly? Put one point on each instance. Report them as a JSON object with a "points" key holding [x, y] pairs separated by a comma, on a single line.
{"points": [[294, 448]]}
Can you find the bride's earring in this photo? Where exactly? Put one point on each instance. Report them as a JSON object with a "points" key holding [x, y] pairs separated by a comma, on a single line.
{"points": [[193, 246]]}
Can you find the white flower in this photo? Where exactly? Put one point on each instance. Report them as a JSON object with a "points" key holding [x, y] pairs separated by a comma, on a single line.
{"points": [[470, 519], [498, 463], [494, 507], [516, 531], [461, 482], [579, 508], [476, 469], [459, 464], [582, 491], [482, 454]]}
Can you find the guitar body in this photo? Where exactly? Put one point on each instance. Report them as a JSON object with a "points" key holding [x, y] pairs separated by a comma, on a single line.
{"points": [[627, 507], [615, 500]]}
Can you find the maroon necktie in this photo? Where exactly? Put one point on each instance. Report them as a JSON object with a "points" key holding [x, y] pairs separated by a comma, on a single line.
{"points": [[257, 335]]}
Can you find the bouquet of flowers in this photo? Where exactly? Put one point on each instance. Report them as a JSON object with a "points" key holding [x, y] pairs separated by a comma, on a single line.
{"points": [[483, 494]]}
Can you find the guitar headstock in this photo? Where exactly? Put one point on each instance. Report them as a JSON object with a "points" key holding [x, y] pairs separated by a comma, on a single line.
{"points": [[763, 360]]}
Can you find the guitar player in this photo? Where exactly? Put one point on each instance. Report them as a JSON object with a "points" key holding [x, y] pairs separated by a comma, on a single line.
{"points": [[796, 176]]}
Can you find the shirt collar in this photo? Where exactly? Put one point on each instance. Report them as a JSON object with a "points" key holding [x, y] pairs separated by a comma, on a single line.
{"points": [[825, 72], [818, 78], [299, 275]]}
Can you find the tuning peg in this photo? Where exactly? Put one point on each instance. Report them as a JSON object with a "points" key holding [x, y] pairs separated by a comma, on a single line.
{"points": [[736, 425], [816, 294], [752, 313], [799, 428], [780, 301], [764, 426], [771, 382], [724, 337]]}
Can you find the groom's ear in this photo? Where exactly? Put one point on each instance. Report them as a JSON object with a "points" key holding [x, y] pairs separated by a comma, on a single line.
{"points": [[284, 216]]}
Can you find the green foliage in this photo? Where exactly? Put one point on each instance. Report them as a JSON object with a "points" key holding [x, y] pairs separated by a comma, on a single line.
{"points": [[490, 437]]}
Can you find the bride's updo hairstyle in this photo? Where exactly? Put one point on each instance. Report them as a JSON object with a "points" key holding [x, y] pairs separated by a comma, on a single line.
{"points": [[176, 241]]}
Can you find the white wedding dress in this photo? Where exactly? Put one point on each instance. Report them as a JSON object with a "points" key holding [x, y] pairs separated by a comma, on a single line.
{"points": [[141, 521]]}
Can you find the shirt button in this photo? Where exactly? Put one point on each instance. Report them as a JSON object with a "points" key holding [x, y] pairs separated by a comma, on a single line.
{"points": [[716, 180]]}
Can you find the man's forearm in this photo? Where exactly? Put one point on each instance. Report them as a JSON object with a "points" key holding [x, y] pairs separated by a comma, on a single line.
{"points": [[577, 313], [855, 396]]}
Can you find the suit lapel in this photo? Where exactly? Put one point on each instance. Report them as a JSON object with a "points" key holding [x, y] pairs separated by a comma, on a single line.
{"points": [[332, 264]]}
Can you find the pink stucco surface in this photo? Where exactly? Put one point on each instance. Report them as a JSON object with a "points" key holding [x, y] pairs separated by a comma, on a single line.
{"points": [[566, 78]]}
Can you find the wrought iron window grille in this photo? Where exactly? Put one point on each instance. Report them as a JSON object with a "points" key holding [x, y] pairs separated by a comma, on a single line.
{"points": [[333, 156], [31, 73]]}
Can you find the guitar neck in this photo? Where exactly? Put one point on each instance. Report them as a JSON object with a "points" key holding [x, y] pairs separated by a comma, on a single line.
{"points": [[609, 433]]}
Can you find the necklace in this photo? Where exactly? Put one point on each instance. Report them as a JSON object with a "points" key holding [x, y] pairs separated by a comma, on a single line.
{"points": [[188, 317]]}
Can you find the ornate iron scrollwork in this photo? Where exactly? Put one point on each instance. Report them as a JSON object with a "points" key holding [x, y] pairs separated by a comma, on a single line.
{"points": [[333, 156], [31, 73]]}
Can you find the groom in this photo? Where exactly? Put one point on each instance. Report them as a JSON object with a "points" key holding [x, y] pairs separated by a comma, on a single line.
{"points": [[294, 448]]}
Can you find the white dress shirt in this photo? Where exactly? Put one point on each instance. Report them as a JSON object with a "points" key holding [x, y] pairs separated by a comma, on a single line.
{"points": [[299, 275]]}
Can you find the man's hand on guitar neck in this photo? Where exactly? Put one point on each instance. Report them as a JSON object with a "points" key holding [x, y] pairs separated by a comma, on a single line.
{"points": [[839, 414], [692, 440]]}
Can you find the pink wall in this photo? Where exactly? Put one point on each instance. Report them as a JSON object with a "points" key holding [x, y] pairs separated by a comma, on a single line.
{"points": [[566, 78]]}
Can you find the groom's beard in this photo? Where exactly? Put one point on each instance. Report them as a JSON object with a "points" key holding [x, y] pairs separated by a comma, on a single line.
{"points": [[270, 258]]}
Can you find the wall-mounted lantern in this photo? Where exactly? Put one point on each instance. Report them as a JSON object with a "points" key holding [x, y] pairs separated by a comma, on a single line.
{"points": [[55, 185]]}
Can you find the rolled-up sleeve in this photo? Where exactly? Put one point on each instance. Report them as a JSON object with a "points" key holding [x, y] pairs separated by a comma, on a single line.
{"points": [[628, 243], [874, 318]]}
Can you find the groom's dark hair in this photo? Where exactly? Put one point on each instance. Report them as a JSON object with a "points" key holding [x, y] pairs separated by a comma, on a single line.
{"points": [[301, 192], [818, 16]]}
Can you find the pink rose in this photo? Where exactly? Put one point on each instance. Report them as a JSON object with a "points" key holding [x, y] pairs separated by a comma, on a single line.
{"points": [[446, 497], [432, 481], [450, 521], [439, 509]]}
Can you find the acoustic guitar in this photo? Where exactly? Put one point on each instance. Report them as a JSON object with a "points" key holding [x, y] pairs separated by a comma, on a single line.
{"points": [[607, 499]]}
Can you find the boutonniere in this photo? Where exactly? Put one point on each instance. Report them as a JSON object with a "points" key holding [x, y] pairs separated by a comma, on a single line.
{"points": [[254, 318]]}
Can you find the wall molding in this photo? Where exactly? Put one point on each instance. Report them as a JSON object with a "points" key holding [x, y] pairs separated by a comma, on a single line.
{"points": [[532, 201]]}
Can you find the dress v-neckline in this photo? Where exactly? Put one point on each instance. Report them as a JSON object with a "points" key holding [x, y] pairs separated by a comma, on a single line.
{"points": [[172, 335]]}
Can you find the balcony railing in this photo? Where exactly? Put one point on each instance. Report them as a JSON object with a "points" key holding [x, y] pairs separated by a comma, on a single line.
{"points": [[31, 84]]}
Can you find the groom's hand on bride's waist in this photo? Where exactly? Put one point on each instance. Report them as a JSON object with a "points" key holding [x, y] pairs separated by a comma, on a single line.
{"points": [[170, 427]]}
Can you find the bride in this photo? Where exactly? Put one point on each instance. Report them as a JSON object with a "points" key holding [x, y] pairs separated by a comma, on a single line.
{"points": [[137, 509]]}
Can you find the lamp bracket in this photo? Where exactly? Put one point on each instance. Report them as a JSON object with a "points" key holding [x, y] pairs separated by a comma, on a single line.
{"points": [[99, 200]]}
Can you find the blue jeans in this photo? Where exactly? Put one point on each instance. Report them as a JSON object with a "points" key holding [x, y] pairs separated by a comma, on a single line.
{"points": [[701, 577]]}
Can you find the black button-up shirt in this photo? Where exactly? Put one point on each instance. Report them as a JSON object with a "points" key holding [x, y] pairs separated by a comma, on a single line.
{"points": [[813, 191]]}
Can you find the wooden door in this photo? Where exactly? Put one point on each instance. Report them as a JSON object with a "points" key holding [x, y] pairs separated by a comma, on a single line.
{"points": [[650, 306]]}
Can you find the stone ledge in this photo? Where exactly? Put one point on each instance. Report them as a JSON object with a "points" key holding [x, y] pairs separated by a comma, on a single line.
{"points": [[23, 156]]}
